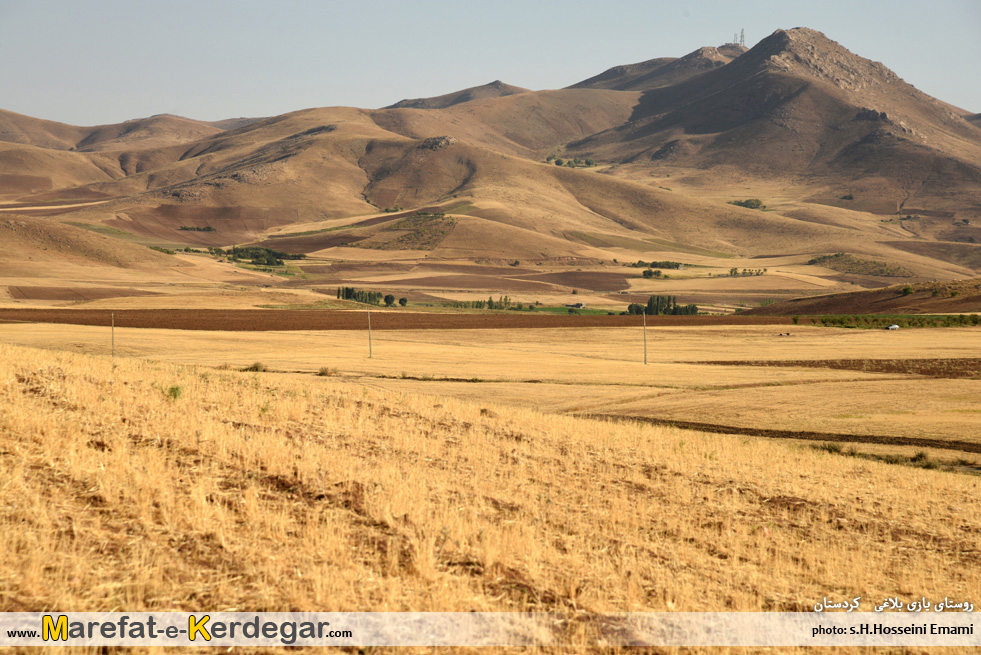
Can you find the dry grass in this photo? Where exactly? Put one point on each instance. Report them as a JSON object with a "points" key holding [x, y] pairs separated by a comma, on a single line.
{"points": [[139, 485], [601, 370]]}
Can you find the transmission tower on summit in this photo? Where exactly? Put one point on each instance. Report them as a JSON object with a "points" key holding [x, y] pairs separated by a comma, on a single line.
{"points": [[738, 38]]}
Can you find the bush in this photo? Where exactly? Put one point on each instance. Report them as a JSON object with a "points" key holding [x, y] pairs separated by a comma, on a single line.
{"points": [[174, 392], [326, 372], [256, 367], [750, 203]]}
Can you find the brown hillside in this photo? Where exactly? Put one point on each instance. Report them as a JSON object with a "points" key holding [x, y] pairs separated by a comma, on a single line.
{"points": [[834, 145], [923, 298], [656, 73], [25, 130], [495, 89], [799, 103], [34, 243], [153, 132]]}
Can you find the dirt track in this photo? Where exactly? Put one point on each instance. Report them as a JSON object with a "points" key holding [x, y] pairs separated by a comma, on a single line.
{"points": [[243, 320]]}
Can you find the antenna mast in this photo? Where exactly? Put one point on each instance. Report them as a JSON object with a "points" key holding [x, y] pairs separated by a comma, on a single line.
{"points": [[742, 37]]}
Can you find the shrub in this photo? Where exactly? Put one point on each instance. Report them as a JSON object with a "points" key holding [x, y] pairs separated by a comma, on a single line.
{"points": [[749, 203], [256, 367], [174, 392], [848, 196], [326, 372]]}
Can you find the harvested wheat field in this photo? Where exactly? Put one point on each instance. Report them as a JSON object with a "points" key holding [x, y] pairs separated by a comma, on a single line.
{"points": [[150, 486]]}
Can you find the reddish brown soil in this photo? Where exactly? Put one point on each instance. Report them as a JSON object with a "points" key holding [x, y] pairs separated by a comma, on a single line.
{"points": [[920, 299], [343, 270], [469, 282], [12, 183], [260, 320], [73, 293], [967, 367], [232, 224], [585, 280]]}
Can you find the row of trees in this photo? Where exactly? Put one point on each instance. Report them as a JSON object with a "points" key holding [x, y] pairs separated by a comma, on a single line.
{"points": [[369, 297], [642, 264], [735, 272], [570, 163], [662, 305]]}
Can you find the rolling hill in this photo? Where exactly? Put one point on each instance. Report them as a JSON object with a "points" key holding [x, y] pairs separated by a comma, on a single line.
{"points": [[962, 296], [846, 156], [495, 89]]}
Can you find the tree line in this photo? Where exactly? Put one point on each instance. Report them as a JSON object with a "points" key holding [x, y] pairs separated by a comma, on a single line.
{"points": [[662, 305]]}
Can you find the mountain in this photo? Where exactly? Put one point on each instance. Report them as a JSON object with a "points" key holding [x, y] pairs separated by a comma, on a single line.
{"points": [[495, 89], [845, 155], [800, 106]]}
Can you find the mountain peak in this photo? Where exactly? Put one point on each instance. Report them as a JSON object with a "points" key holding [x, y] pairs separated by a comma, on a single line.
{"points": [[495, 89], [802, 50]]}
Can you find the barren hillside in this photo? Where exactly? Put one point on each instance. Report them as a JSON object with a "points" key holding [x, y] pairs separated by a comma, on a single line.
{"points": [[495, 89], [963, 296], [845, 156]]}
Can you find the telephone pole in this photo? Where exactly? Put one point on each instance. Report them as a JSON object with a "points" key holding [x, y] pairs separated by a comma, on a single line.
{"points": [[645, 335]]}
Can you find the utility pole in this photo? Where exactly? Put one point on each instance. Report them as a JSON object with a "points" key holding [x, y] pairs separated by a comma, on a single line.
{"points": [[645, 335], [112, 316], [369, 333]]}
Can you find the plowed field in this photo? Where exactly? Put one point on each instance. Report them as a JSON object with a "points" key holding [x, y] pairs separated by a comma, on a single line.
{"points": [[261, 320]]}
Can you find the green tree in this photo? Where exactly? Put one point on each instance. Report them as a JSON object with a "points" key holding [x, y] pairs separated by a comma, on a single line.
{"points": [[389, 300], [403, 301], [559, 162]]}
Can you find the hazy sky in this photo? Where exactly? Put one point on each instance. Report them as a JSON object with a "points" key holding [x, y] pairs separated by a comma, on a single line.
{"points": [[89, 62]]}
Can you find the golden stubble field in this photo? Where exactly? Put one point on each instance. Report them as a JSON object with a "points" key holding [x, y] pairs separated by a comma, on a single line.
{"points": [[601, 370], [136, 484]]}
